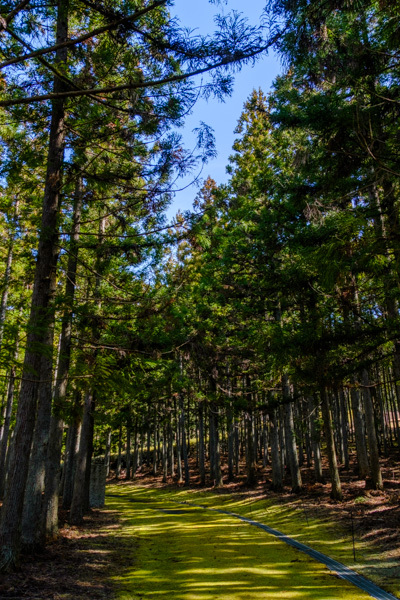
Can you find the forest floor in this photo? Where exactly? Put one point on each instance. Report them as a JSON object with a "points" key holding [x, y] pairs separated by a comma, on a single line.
{"points": [[85, 561], [78, 566]]}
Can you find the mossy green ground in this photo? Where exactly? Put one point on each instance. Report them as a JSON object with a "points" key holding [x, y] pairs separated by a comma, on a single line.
{"points": [[185, 553]]}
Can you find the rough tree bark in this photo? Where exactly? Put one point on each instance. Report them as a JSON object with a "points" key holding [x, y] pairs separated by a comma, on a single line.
{"points": [[79, 499], [72, 450], [49, 517], [277, 484], [376, 474], [6, 429], [202, 469], [359, 432], [290, 438], [40, 320], [184, 441], [316, 440], [336, 491]]}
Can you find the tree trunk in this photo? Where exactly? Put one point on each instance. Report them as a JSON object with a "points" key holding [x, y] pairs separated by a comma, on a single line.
{"points": [[211, 443], [6, 284], [316, 440], [264, 437], [359, 433], [277, 484], [119, 459], [171, 446], [237, 451], [155, 443], [79, 498], [32, 530], [107, 454], [336, 491], [53, 459], [217, 455], [128, 448], [231, 443], [165, 455], [40, 320], [290, 439], [6, 430], [178, 446], [345, 429], [184, 443], [202, 469], [376, 475], [72, 450], [251, 478]]}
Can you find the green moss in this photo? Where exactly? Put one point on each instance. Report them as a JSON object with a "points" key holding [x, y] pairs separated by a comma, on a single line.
{"points": [[184, 553]]}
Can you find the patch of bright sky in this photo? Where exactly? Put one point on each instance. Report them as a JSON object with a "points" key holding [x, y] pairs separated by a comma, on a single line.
{"points": [[221, 116]]}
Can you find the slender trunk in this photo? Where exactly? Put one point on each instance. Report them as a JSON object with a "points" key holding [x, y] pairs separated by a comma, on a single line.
{"points": [[211, 443], [136, 451], [89, 454], [165, 455], [264, 438], [316, 440], [251, 477], [49, 528], [376, 475], [184, 443], [72, 449], [202, 469], [290, 439], [359, 433], [6, 429], [128, 448], [6, 287], [337, 425], [178, 446], [40, 320], [345, 429], [187, 419], [155, 443], [217, 459], [277, 484], [171, 444], [108, 451], [32, 530], [237, 457], [9, 456], [79, 499], [336, 491], [119, 459], [53, 459], [231, 443]]}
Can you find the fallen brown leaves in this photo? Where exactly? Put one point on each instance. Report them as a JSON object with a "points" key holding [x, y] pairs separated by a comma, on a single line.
{"points": [[75, 567]]}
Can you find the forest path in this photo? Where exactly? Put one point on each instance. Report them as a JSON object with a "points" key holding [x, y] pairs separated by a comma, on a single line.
{"points": [[184, 551]]}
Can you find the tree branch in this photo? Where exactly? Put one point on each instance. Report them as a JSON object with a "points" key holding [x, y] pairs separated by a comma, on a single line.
{"points": [[136, 85], [5, 21], [84, 37]]}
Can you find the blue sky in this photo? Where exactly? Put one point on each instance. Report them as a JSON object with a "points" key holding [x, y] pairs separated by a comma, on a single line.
{"points": [[222, 117]]}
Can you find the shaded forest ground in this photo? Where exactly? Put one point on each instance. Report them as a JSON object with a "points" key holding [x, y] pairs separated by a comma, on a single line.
{"points": [[81, 563], [78, 566]]}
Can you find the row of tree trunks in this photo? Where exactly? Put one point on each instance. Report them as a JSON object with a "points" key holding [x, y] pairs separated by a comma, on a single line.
{"points": [[279, 439]]}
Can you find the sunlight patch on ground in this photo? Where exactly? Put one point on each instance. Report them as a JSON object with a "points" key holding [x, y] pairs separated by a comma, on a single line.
{"points": [[199, 555]]}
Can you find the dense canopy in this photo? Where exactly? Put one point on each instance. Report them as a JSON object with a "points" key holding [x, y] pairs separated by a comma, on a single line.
{"points": [[263, 325]]}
